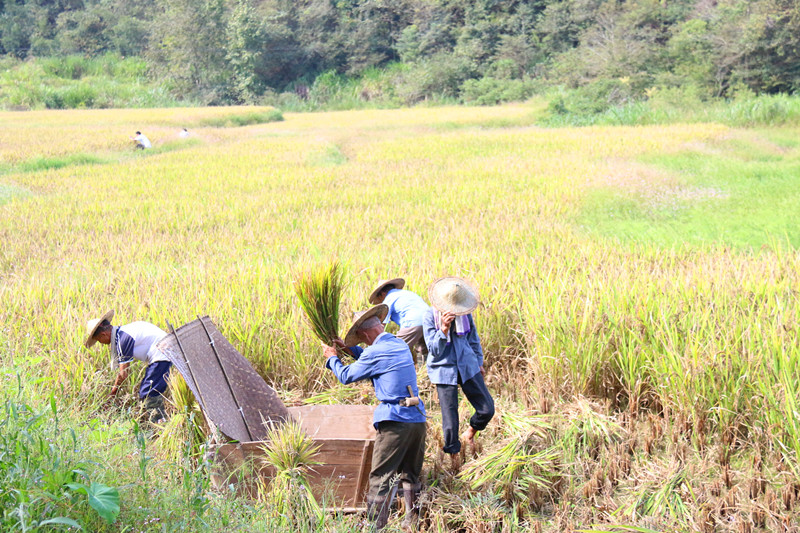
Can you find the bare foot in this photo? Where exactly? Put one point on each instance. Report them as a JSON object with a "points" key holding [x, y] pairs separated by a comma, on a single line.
{"points": [[469, 438]]}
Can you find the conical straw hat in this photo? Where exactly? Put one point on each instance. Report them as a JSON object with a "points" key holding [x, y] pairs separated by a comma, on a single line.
{"points": [[91, 328], [453, 295], [399, 283], [380, 310]]}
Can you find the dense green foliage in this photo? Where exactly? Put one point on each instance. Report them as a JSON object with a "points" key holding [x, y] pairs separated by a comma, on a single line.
{"points": [[302, 53]]}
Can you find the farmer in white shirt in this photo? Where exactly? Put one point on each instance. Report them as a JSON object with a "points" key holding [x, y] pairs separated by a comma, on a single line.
{"points": [[141, 141], [406, 309], [136, 340]]}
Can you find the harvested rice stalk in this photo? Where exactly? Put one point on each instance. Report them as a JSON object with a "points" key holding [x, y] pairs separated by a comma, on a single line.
{"points": [[319, 291]]}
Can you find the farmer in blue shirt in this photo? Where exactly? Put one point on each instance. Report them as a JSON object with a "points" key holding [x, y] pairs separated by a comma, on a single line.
{"points": [[136, 340], [406, 309], [456, 358], [400, 442]]}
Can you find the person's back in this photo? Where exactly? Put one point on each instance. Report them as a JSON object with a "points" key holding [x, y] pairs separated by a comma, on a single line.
{"points": [[142, 142], [406, 309], [391, 369], [137, 341]]}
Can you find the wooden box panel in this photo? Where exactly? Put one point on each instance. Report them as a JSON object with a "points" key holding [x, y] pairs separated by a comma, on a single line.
{"points": [[340, 482]]}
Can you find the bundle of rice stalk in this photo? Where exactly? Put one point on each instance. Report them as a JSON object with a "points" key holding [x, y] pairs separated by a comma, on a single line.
{"points": [[320, 291], [184, 432], [290, 451]]}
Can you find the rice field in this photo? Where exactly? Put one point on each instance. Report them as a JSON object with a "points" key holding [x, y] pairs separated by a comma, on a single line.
{"points": [[639, 288]]}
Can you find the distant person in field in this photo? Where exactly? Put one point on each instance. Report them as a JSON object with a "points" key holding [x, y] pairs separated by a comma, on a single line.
{"points": [[142, 142], [399, 449], [406, 309], [183, 134], [136, 340], [456, 358]]}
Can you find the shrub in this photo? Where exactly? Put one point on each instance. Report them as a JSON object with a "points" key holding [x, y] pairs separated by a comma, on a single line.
{"points": [[492, 91]]}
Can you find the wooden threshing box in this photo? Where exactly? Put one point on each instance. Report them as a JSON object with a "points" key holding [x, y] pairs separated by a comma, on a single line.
{"points": [[240, 404]]}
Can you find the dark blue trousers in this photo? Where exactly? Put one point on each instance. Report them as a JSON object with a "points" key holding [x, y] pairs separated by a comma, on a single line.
{"points": [[478, 395], [155, 379]]}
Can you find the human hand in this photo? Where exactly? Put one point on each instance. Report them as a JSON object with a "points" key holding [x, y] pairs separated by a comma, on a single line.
{"points": [[329, 351], [446, 320], [339, 343], [483, 372]]}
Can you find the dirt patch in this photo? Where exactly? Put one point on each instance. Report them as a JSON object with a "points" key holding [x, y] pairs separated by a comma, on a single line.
{"points": [[656, 189]]}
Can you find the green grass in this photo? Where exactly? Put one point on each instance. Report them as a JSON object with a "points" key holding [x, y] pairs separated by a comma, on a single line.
{"points": [[329, 156], [573, 108], [51, 163], [741, 192], [247, 118], [10, 192], [77, 82]]}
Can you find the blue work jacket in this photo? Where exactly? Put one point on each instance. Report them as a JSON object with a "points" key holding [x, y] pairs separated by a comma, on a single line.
{"points": [[446, 360], [388, 363]]}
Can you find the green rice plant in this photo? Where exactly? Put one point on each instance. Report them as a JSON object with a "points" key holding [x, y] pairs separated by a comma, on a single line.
{"points": [[290, 451], [319, 291]]}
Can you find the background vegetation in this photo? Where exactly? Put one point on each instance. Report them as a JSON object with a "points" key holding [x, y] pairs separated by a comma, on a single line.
{"points": [[639, 317], [314, 54]]}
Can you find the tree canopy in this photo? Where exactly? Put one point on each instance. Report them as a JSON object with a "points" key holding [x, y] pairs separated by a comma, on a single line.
{"points": [[235, 51]]}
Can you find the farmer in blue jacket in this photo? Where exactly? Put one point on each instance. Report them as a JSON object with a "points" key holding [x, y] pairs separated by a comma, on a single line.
{"points": [[400, 443], [406, 309], [455, 357]]}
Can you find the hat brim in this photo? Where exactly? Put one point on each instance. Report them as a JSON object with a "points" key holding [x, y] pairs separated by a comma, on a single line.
{"points": [[440, 304], [380, 311], [90, 341], [399, 283]]}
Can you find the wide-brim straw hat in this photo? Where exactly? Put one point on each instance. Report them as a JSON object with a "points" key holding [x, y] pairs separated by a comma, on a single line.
{"points": [[380, 311], [453, 295], [398, 283], [91, 328]]}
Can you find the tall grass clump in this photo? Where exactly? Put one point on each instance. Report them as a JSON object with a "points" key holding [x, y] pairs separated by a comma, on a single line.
{"points": [[185, 429], [320, 292], [291, 452]]}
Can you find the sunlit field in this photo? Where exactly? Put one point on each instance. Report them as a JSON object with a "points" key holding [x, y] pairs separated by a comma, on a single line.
{"points": [[639, 299]]}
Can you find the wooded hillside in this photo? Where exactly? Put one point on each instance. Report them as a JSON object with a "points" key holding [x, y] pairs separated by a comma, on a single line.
{"points": [[242, 51]]}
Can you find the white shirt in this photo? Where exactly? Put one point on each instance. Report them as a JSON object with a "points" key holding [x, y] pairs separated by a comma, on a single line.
{"points": [[137, 340], [144, 141]]}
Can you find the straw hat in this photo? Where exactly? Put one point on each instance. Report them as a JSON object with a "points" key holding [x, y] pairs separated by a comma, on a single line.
{"points": [[453, 295], [91, 328], [380, 311], [398, 283]]}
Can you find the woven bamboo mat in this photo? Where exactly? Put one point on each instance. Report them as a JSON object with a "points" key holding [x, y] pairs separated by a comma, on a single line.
{"points": [[230, 392]]}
